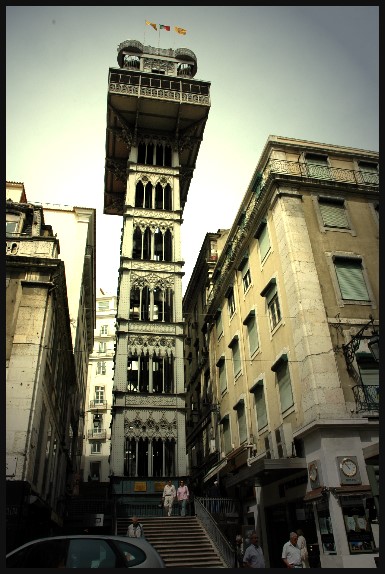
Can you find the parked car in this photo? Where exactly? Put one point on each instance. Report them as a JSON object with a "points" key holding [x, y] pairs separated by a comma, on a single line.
{"points": [[85, 551]]}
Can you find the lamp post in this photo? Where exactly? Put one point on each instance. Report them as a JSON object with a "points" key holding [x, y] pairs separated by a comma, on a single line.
{"points": [[349, 349]]}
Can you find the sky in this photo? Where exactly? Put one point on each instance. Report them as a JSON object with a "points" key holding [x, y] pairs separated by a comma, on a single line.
{"points": [[308, 72]]}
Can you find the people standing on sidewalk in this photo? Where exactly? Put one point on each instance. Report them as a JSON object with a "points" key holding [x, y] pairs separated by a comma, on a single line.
{"points": [[169, 494], [183, 496], [239, 550], [253, 556], [291, 554], [301, 543]]}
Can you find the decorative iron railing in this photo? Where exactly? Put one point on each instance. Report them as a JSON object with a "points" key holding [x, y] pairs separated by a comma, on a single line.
{"points": [[367, 397], [101, 405], [99, 434], [226, 550], [259, 188]]}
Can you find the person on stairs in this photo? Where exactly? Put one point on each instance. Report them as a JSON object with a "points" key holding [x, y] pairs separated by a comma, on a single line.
{"points": [[183, 497], [169, 494], [135, 529]]}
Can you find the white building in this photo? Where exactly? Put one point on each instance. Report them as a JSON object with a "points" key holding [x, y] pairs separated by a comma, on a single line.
{"points": [[96, 447]]}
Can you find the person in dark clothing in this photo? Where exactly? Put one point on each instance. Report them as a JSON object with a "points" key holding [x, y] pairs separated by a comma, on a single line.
{"points": [[215, 493]]}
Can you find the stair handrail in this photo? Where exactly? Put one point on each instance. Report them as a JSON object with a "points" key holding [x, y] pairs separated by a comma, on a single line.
{"points": [[225, 550]]}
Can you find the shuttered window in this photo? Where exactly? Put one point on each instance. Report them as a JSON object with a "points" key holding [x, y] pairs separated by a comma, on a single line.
{"points": [[252, 334], [263, 241], [284, 384], [333, 214], [351, 279], [260, 405]]}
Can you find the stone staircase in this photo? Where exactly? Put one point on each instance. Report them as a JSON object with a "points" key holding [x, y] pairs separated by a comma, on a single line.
{"points": [[181, 541]]}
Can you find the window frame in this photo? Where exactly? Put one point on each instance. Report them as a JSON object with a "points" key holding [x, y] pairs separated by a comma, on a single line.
{"points": [[362, 279]]}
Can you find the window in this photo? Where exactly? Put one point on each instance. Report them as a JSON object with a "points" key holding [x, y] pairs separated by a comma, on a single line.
{"points": [[102, 347], [281, 369], [245, 271], [222, 374], [333, 213], [230, 301], [262, 235], [104, 330], [12, 223], [99, 395], [101, 368], [103, 305], [96, 447], [260, 404], [234, 346], [252, 332], [270, 292], [317, 165], [369, 172], [351, 280], [225, 422], [219, 325], [241, 419]]}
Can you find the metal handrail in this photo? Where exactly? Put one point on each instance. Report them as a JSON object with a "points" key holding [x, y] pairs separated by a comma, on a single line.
{"points": [[226, 551]]}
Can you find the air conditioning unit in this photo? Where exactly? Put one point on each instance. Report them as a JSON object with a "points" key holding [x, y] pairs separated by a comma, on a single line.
{"points": [[284, 440]]}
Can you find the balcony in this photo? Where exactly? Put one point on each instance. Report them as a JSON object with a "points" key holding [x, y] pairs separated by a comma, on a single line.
{"points": [[98, 405], [97, 434], [367, 397]]}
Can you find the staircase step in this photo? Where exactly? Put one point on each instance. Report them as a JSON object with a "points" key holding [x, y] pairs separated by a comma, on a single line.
{"points": [[181, 541]]}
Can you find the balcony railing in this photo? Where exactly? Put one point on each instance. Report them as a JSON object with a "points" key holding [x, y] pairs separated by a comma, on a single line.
{"points": [[97, 434], [100, 405], [367, 397], [277, 167]]}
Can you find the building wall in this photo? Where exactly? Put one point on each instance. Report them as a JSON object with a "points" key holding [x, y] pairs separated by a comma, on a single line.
{"points": [[100, 374], [311, 214]]}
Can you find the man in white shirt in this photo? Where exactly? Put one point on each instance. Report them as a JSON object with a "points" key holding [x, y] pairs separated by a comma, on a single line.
{"points": [[253, 557], [169, 494], [291, 554], [135, 529]]}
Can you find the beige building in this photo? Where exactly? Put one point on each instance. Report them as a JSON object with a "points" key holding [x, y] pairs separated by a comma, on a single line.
{"points": [[97, 431], [47, 316], [287, 396]]}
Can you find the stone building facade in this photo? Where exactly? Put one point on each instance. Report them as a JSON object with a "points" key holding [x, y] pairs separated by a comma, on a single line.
{"points": [[289, 383], [44, 386]]}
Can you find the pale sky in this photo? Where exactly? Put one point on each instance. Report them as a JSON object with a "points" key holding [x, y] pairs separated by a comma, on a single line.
{"points": [[307, 72]]}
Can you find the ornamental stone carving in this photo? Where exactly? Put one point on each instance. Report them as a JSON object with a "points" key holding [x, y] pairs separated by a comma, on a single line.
{"points": [[151, 425]]}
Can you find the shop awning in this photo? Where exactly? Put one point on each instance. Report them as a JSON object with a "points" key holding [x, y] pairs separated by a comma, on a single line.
{"points": [[215, 469]]}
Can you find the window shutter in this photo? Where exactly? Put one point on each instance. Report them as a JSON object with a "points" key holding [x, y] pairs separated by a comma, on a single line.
{"points": [[285, 392], [333, 214], [264, 242], [351, 280]]}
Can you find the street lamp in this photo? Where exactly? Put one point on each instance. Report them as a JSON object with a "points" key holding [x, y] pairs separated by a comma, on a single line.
{"points": [[349, 349]]}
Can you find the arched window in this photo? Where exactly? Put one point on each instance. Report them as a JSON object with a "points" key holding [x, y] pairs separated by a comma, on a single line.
{"points": [[142, 153], [158, 196], [139, 194], [168, 156], [148, 196], [137, 244], [167, 249], [167, 197]]}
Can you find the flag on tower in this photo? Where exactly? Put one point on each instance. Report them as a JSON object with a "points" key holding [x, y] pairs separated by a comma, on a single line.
{"points": [[180, 30], [151, 24], [163, 27]]}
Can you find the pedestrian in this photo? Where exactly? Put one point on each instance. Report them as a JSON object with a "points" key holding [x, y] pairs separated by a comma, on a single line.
{"points": [[183, 496], [291, 554], [301, 543], [239, 551], [135, 529], [215, 493], [253, 556], [169, 494]]}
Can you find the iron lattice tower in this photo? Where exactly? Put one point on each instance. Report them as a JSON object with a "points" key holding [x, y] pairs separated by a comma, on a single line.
{"points": [[156, 115]]}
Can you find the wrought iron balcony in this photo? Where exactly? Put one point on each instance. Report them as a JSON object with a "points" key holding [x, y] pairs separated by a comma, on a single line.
{"points": [[97, 434], [367, 397], [98, 405]]}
